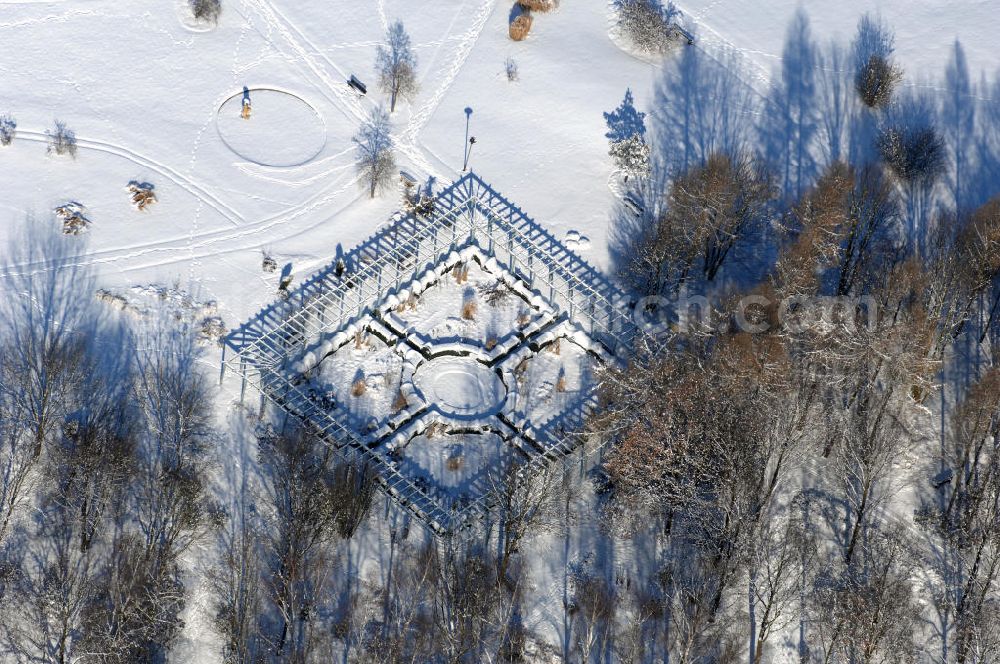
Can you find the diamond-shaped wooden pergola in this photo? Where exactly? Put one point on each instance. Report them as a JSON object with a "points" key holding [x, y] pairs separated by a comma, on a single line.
{"points": [[276, 347]]}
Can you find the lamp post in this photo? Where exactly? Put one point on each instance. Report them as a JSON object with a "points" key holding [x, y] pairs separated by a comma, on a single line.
{"points": [[465, 145], [468, 152]]}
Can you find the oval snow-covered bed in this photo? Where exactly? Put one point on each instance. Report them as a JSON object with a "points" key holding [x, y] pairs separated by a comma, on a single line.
{"points": [[460, 386]]}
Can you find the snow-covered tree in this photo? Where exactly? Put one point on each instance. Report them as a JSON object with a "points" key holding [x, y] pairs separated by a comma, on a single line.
{"points": [[648, 24], [631, 155], [626, 135], [396, 65], [301, 497], [373, 152]]}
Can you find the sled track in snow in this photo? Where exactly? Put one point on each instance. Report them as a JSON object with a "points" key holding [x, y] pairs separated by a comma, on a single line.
{"points": [[203, 244], [185, 183]]}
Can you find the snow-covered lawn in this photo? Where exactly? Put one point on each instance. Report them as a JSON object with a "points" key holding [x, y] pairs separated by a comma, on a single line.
{"points": [[154, 97]]}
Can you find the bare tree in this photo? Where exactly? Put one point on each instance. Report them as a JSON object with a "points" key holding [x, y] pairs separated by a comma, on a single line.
{"points": [[875, 75], [867, 612], [353, 491], [689, 225], [782, 555], [720, 203], [593, 606], [527, 502], [963, 517], [136, 613], [871, 442], [373, 152], [43, 326], [237, 582], [85, 483], [300, 492], [396, 65], [872, 232]]}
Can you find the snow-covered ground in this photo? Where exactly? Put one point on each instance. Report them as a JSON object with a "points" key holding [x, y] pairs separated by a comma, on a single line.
{"points": [[155, 98], [152, 99]]}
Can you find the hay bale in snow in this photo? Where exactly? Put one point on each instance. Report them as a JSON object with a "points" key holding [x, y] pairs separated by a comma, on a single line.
{"points": [[539, 5], [520, 27]]}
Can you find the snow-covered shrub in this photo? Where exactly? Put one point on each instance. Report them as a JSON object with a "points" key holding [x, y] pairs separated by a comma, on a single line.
{"points": [[415, 201], [62, 140], [113, 299], [283, 285], [206, 10], [212, 329], [142, 194], [648, 24], [74, 220], [510, 66], [520, 26], [8, 129], [539, 5], [875, 75], [269, 264]]}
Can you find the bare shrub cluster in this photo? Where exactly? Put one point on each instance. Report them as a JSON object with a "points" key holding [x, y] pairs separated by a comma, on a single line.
{"points": [[62, 140], [8, 129], [206, 10]]}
